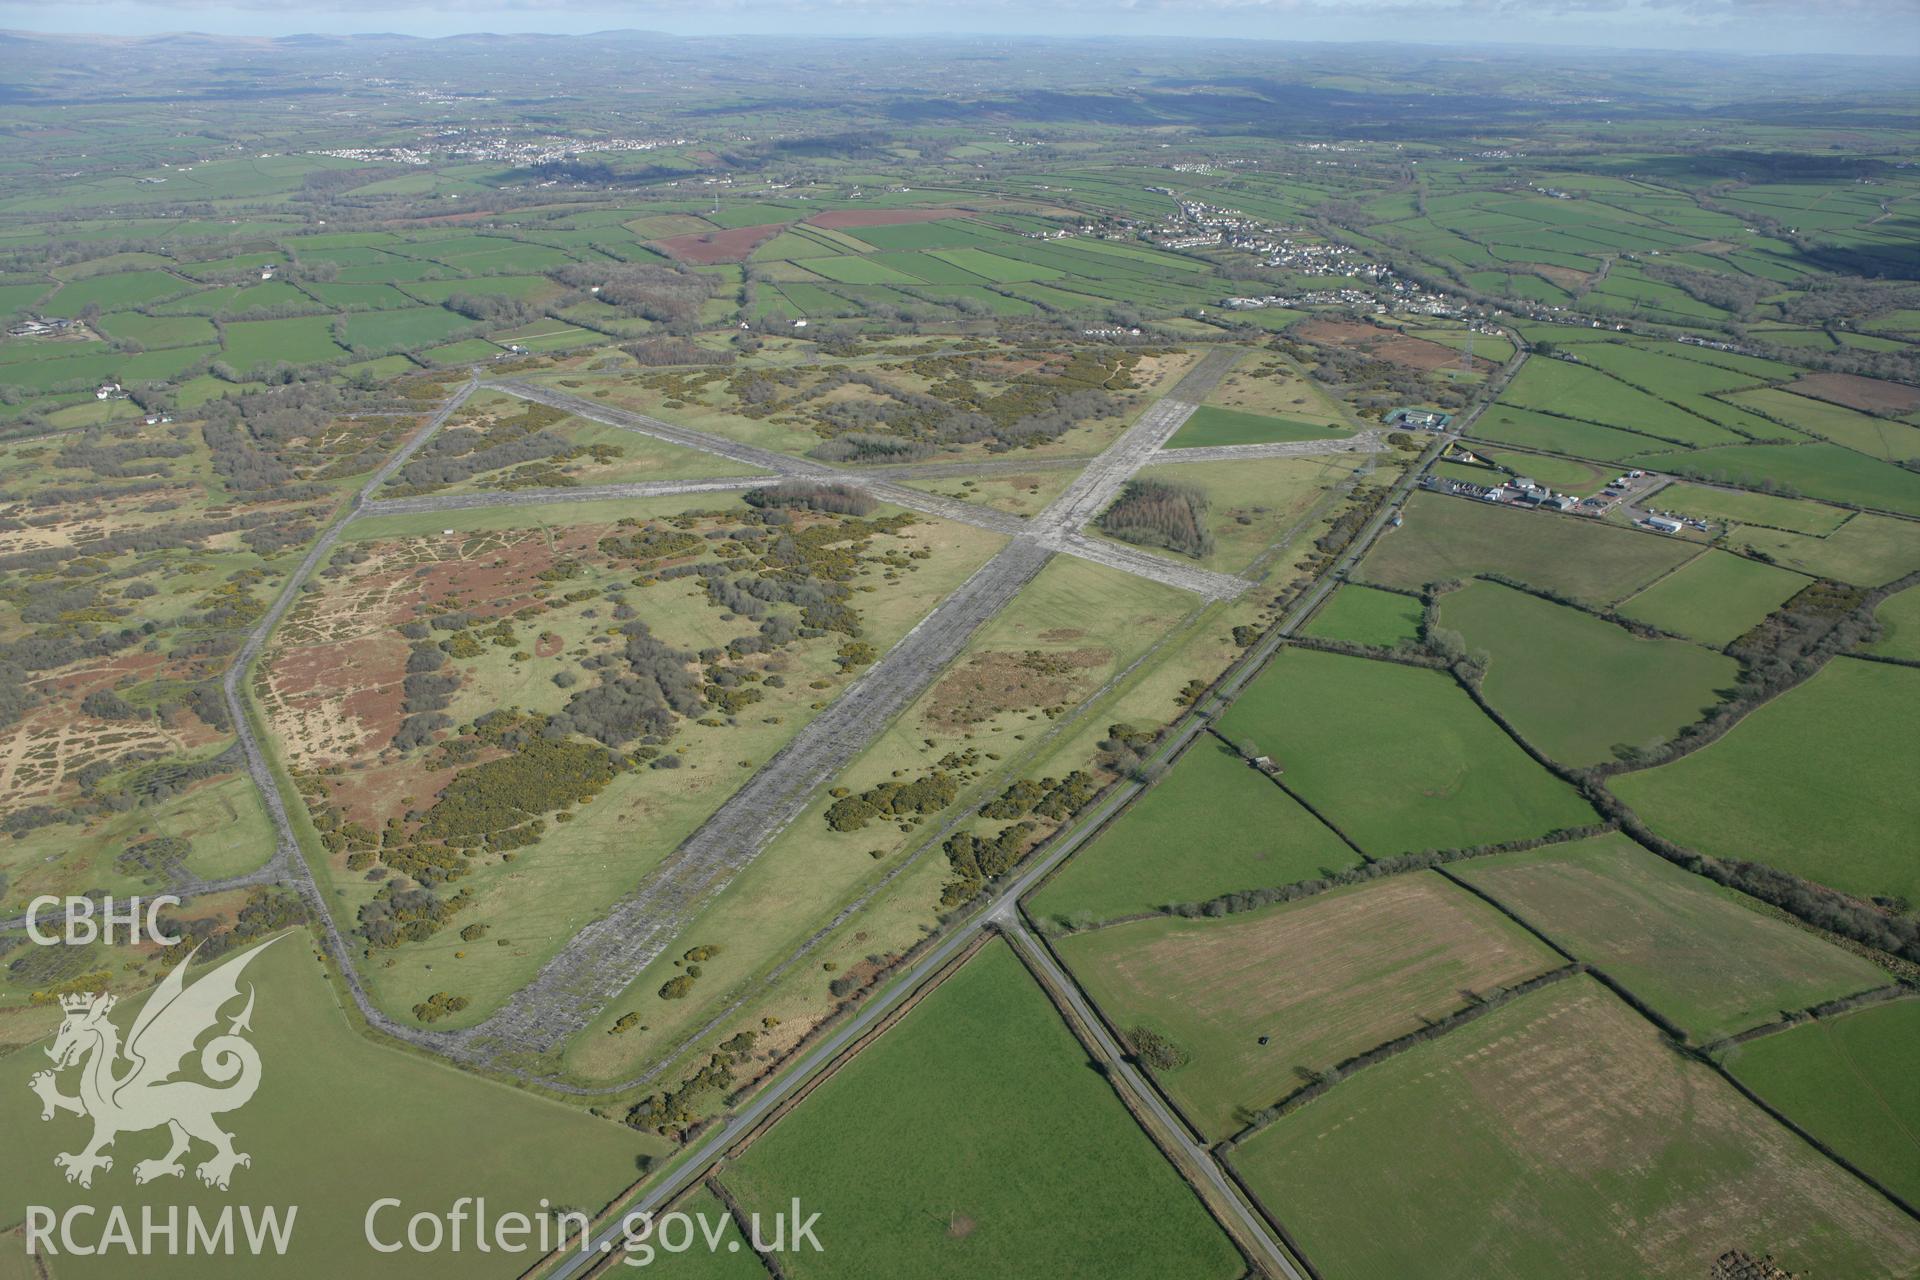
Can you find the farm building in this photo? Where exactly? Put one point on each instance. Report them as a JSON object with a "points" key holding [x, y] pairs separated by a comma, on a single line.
{"points": [[1424, 419], [35, 327], [1664, 524]]}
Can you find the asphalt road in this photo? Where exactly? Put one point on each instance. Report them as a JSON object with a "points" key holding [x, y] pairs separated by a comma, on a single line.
{"points": [[1198, 1161], [710, 1148]]}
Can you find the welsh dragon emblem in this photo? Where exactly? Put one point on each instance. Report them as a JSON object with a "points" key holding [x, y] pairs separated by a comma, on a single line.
{"points": [[129, 1088]]}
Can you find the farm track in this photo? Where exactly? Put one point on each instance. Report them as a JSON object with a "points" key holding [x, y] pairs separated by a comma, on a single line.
{"points": [[287, 865]]}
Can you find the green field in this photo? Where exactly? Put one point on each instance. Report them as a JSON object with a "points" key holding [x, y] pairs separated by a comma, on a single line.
{"points": [[1211, 826], [1397, 757], [115, 291], [1563, 475], [1867, 549], [1878, 437], [1818, 782], [1453, 538], [918, 235], [300, 340], [466, 351], [1559, 1136], [1211, 425], [971, 1140], [852, 269], [1261, 999], [1575, 686], [1366, 615], [522, 287], [237, 299], [1558, 387], [1899, 619], [1741, 507], [1824, 471], [1704, 956], [361, 297], [1507, 425], [1255, 506], [407, 328], [1715, 598], [408, 1127], [158, 331], [991, 266], [1850, 1082]]}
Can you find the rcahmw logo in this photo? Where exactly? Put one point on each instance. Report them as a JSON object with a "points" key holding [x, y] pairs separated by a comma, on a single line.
{"points": [[131, 1088]]}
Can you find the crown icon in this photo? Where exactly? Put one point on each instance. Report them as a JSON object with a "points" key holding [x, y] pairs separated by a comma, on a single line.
{"points": [[81, 1001]]}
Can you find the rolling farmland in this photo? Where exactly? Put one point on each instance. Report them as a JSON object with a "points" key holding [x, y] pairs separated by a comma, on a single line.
{"points": [[1055, 652]]}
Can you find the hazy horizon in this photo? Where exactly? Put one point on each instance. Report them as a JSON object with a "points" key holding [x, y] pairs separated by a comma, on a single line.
{"points": [[1880, 28]]}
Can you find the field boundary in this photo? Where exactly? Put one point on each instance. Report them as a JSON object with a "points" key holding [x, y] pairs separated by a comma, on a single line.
{"points": [[1366, 873], [1327, 1080], [768, 1259], [1293, 795], [1672, 1030], [1825, 1011]]}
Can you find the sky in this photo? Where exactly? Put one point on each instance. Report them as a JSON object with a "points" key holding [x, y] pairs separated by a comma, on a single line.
{"points": [[1740, 26]]}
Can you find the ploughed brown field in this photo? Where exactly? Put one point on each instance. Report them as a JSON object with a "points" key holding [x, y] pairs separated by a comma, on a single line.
{"points": [[704, 248], [1385, 344], [1869, 395]]}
